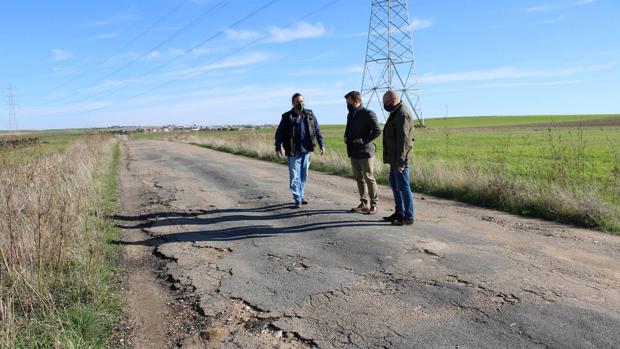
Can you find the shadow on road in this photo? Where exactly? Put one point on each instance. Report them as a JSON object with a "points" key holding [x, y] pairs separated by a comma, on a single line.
{"points": [[217, 216]]}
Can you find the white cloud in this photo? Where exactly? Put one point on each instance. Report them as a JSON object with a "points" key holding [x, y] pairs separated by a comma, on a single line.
{"points": [[355, 69], [557, 19], [112, 20], [108, 85], [235, 62], [199, 51], [243, 35], [419, 24], [153, 55], [354, 35], [508, 73], [106, 36], [301, 30], [548, 8], [415, 24], [526, 84], [60, 55]]}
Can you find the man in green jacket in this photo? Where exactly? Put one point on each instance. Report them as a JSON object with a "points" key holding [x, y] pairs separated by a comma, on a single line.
{"points": [[397, 147], [359, 135]]}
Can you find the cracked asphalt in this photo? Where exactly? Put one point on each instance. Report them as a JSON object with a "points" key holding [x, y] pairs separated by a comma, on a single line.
{"points": [[267, 276]]}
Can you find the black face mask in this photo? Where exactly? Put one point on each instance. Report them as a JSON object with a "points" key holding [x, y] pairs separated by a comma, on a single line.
{"points": [[351, 108]]}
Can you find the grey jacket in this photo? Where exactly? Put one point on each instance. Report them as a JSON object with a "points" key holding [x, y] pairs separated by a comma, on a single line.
{"points": [[397, 141]]}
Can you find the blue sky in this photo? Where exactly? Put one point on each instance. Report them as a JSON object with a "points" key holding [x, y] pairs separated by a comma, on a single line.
{"points": [[151, 62]]}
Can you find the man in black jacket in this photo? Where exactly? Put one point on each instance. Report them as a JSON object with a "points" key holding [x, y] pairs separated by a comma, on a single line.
{"points": [[362, 129], [299, 134]]}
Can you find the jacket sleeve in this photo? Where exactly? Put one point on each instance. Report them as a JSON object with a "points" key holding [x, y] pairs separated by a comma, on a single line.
{"points": [[319, 136], [280, 135], [346, 131], [373, 126], [403, 133]]}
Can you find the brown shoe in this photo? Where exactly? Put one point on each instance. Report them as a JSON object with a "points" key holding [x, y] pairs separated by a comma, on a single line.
{"points": [[372, 210], [399, 222], [361, 208]]}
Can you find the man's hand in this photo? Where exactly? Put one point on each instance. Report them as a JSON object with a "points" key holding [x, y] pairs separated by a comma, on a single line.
{"points": [[322, 151], [401, 168], [279, 153], [358, 141]]}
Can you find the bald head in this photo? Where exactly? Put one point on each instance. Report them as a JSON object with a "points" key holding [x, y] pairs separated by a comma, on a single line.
{"points": [[391, 98]]}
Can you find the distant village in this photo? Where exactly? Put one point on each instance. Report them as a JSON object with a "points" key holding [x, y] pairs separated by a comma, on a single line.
{"points": [[184, 128]]}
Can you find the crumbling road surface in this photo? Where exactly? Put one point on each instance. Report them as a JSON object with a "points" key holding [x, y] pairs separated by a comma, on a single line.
{"points": [[258, 274]]}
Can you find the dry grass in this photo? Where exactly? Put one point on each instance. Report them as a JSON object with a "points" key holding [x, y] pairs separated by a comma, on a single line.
{"points": [[49, 244], [260, 145]]}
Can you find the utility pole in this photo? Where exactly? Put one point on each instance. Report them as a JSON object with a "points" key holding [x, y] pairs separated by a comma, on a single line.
{"points": [[12, 115], [390, 61]]}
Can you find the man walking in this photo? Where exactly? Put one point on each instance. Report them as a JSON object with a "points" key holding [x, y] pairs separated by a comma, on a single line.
{"points": [[397, 145], [359, 135], [299, 134]]}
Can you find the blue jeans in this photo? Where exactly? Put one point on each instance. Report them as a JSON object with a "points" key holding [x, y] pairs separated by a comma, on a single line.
{"points": [[298, 174], [403, 198]]}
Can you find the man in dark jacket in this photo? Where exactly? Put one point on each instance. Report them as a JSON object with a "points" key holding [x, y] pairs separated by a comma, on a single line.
{"points": [[362, 129], [397, 146], [299, 134]]}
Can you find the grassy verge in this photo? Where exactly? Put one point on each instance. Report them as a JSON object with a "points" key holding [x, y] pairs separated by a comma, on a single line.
{"points": [[58, 269]]}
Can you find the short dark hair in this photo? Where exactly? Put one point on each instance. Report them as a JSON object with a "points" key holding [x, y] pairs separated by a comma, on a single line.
{"points": [[354, 95], [295, 96]]}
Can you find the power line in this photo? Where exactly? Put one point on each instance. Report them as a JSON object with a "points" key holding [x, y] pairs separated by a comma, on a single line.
{"points": [[187, 51], [252, 43], [205, 15], [167, 83], [129, 43]]}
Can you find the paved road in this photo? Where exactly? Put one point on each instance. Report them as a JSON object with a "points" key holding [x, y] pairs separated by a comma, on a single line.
{"points": [[268, 276]]}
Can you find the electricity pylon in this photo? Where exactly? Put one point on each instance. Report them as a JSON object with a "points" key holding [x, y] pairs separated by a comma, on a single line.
{"points": [[390, 61], [12, 115]]}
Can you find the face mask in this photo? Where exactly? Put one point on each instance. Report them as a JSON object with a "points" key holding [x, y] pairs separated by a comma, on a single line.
{"points": [[351, 108], [299, 106], [388, 107]]}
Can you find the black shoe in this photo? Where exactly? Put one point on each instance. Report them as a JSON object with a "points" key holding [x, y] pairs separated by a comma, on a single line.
{"points": [[295, 206], [393, 217], [399, 222], [304, 202]]}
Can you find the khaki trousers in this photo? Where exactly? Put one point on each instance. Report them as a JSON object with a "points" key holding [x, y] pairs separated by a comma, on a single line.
{"points": [[366, 183]]}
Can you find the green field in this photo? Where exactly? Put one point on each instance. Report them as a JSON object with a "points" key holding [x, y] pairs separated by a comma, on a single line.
{"points": [[500, 121], [567, 168], [50, 143]]}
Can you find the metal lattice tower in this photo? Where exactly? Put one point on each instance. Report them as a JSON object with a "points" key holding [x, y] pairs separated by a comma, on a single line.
{"points": [[12, 115], [390, 61]]}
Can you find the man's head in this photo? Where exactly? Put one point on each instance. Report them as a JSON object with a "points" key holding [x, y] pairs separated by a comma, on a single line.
{"points": [[354, 98], [298, 101], [390, 100]]}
